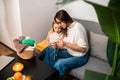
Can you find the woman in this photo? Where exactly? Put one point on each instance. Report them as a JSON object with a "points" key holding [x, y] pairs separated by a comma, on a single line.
{"points": [[72, 49]]}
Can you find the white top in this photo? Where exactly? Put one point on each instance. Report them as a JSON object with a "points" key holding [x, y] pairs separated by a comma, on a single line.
{"points": [[54, 37], [76, 34]]}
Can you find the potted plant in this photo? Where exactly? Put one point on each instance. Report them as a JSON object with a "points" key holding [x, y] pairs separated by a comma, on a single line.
{"points": [[109, 19]]}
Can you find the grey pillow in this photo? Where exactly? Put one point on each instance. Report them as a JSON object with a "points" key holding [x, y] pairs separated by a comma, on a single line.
{"points": [[98, 45]]}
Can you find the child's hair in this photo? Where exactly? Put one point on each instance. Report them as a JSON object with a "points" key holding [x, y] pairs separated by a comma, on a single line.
{"points": [[53, 26], [64, 31]]}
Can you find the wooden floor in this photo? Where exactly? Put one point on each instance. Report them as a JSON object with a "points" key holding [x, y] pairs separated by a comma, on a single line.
{"points": [[4, 50]]}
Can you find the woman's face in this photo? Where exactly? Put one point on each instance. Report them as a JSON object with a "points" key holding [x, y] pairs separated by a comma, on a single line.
{"points": [[62, 24]]}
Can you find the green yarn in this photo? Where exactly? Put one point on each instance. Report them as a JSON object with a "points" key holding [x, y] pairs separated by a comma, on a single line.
{"points": [[28, 42]]}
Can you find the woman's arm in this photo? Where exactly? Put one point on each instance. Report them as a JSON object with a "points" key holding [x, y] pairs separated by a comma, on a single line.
{"points": [[62, 44], [74, 47]]}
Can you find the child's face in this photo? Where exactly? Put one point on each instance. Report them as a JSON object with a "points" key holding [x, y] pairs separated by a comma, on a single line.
{"points": [[57, 28]]}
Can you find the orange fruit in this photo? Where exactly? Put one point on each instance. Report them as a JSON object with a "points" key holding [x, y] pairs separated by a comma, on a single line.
{"points": [[18, 66], [17, 76], [28, 78]]}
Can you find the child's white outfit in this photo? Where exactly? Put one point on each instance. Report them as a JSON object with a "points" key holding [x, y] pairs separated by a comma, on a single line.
{"points": [[54, 37]]}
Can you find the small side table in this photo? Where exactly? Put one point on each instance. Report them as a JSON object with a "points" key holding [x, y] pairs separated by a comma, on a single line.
{"points": [[92, 75]]}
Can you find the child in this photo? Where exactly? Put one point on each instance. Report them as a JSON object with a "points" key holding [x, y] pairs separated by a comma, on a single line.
{"points": [[55, 34]]}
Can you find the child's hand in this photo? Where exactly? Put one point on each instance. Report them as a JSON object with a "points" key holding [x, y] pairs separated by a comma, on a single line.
{"points": [[60, 44], [53, 44]]}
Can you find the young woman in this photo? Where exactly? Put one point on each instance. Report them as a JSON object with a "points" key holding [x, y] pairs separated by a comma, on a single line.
{"points": [[73, 48]]}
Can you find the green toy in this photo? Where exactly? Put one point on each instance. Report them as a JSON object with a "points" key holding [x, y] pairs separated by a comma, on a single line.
{"points": [[28, 42]]}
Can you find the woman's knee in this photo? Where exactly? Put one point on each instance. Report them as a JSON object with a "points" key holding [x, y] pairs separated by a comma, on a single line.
{"points": [[59, 65]]}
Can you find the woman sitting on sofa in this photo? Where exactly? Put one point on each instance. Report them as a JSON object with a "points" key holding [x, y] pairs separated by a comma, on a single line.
{"points": [[72, 49]]}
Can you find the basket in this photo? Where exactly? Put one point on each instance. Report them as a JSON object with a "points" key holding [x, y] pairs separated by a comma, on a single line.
{"points": [[26, 54]]}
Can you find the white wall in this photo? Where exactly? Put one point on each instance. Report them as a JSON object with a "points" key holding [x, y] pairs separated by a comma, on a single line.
{"points": [[12, 20], [36, 17], [102, 2], [4, 36], [32, 19], [82, 10]]}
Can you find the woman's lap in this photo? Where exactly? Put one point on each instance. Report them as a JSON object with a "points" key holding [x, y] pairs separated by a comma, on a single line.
{"points": [[65, 60], [65, 64], [73, 62]]}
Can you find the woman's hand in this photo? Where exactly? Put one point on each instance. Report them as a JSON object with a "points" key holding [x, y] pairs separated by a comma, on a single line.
{"points": [[61, 44]]}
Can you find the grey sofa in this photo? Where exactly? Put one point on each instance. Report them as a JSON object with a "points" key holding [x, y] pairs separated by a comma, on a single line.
{"points": [[98, 44]]}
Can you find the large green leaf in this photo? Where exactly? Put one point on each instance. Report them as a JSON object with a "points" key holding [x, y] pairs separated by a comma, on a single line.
{"points": [[114, 3], [109, 19], [110, 51]]}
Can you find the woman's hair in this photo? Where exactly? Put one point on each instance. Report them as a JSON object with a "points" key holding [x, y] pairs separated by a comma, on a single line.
{"points": [[64, 31], [63, 16]]}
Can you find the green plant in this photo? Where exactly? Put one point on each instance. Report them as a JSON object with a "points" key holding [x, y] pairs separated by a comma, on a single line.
{"points": [[109, 19], [63, 2]]}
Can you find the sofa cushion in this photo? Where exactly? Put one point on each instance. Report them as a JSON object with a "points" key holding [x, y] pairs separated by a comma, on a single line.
{"points": [[98, 45], [94, 64]]}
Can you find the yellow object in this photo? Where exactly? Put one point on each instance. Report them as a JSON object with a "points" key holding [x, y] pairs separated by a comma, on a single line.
{"points": [[41, 45], [18, 66]]}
